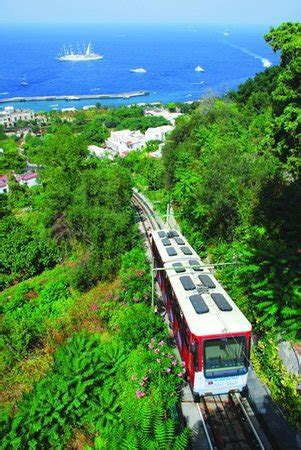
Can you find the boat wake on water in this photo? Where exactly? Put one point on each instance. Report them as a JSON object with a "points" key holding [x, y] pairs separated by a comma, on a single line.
{"points": [[265, 62]]}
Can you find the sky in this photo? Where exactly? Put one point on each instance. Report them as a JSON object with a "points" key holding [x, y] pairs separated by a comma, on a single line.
{"points": [[265, 12]]}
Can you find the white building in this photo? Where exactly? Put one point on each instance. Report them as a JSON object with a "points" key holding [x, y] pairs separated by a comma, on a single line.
{"points": [[122, 142], [30, 179], [71, 109], [100, 152], [86, 107], [170, 116], [10, 116], [158, 133]]}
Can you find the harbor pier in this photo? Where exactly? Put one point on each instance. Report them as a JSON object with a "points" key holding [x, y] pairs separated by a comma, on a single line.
{"points": [[49, 98]]}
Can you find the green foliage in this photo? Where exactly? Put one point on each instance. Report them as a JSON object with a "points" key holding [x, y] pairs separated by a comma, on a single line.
{"points": [[29, 314], [142, 123], [283, 385], [11, 160], [95, 132], [117, 388], [286, 96], [24, 253], [257, 89], [70, 395]]}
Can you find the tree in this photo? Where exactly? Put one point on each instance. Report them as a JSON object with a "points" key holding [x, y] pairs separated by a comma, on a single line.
{"points": [[95, 132], [287, 94]]}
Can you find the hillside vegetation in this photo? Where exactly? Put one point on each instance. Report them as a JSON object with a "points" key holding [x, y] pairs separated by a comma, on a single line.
{"points": [[231, 169], [85, 363]]}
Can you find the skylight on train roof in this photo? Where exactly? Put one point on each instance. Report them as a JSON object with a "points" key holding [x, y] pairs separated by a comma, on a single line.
{"points": [[206, 281], [186, 250], [199, 304], [179, 241], [171, 251], [194, 263], [179, 267], [166, 242], [172, 234], [187, 283], [221, 302], [161, 234]]}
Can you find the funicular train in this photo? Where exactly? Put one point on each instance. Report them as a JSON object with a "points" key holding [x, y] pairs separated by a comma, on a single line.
{"points": [[211, 333]]}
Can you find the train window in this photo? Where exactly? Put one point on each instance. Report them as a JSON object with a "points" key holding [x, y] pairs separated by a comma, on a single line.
{"points": [[195, 265], [161, 234], [172, 234], [206, 281], [187, 283], [225, 357], [198, 303], [166, 242], [179, 267], [171, 251], [179, 241], [221, 302], [186, 250]]}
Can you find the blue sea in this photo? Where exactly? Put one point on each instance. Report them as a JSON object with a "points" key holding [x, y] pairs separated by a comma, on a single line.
{"points": [[228, 54]]}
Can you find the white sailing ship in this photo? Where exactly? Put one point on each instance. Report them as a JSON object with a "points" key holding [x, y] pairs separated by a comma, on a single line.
{"points": [[85, 54]]}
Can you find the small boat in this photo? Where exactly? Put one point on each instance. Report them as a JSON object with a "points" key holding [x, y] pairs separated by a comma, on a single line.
{"points": [[23, 82], [138, 70], [199, 69]]}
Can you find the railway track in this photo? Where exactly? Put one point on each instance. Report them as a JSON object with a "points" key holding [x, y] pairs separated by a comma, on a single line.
{"points": [[228, 421], [146, 213]]}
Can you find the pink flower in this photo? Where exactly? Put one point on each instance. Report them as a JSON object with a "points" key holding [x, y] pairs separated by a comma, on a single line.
{"points": [[136, 300], [140, 394], [150, 345], [168, 370], [174, 362], [133, 378], [170, 355], [180, 375], [94, 307], [142, 383], [161, 343], [156, 350], [183, 364], [158, 360], [145, 379]]}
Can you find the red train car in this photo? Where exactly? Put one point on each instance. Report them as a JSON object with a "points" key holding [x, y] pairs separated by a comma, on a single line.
{"points": [[212, 334]]}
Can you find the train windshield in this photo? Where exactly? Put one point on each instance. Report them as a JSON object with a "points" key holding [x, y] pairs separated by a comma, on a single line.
{"points": [[225, 357]]}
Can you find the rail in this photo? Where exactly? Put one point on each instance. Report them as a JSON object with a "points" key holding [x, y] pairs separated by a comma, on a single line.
{"points": [[145, 208], [228, 424]]}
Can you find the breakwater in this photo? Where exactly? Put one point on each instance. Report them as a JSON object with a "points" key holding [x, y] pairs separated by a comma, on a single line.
{"points": [[48, 98]]}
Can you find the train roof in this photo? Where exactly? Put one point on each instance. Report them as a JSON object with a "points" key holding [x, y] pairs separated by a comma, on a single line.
{"points": [[206, 306], [172, 246]]}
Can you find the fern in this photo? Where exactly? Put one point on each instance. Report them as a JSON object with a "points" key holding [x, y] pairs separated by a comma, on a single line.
{"points": [[181, 441]]}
